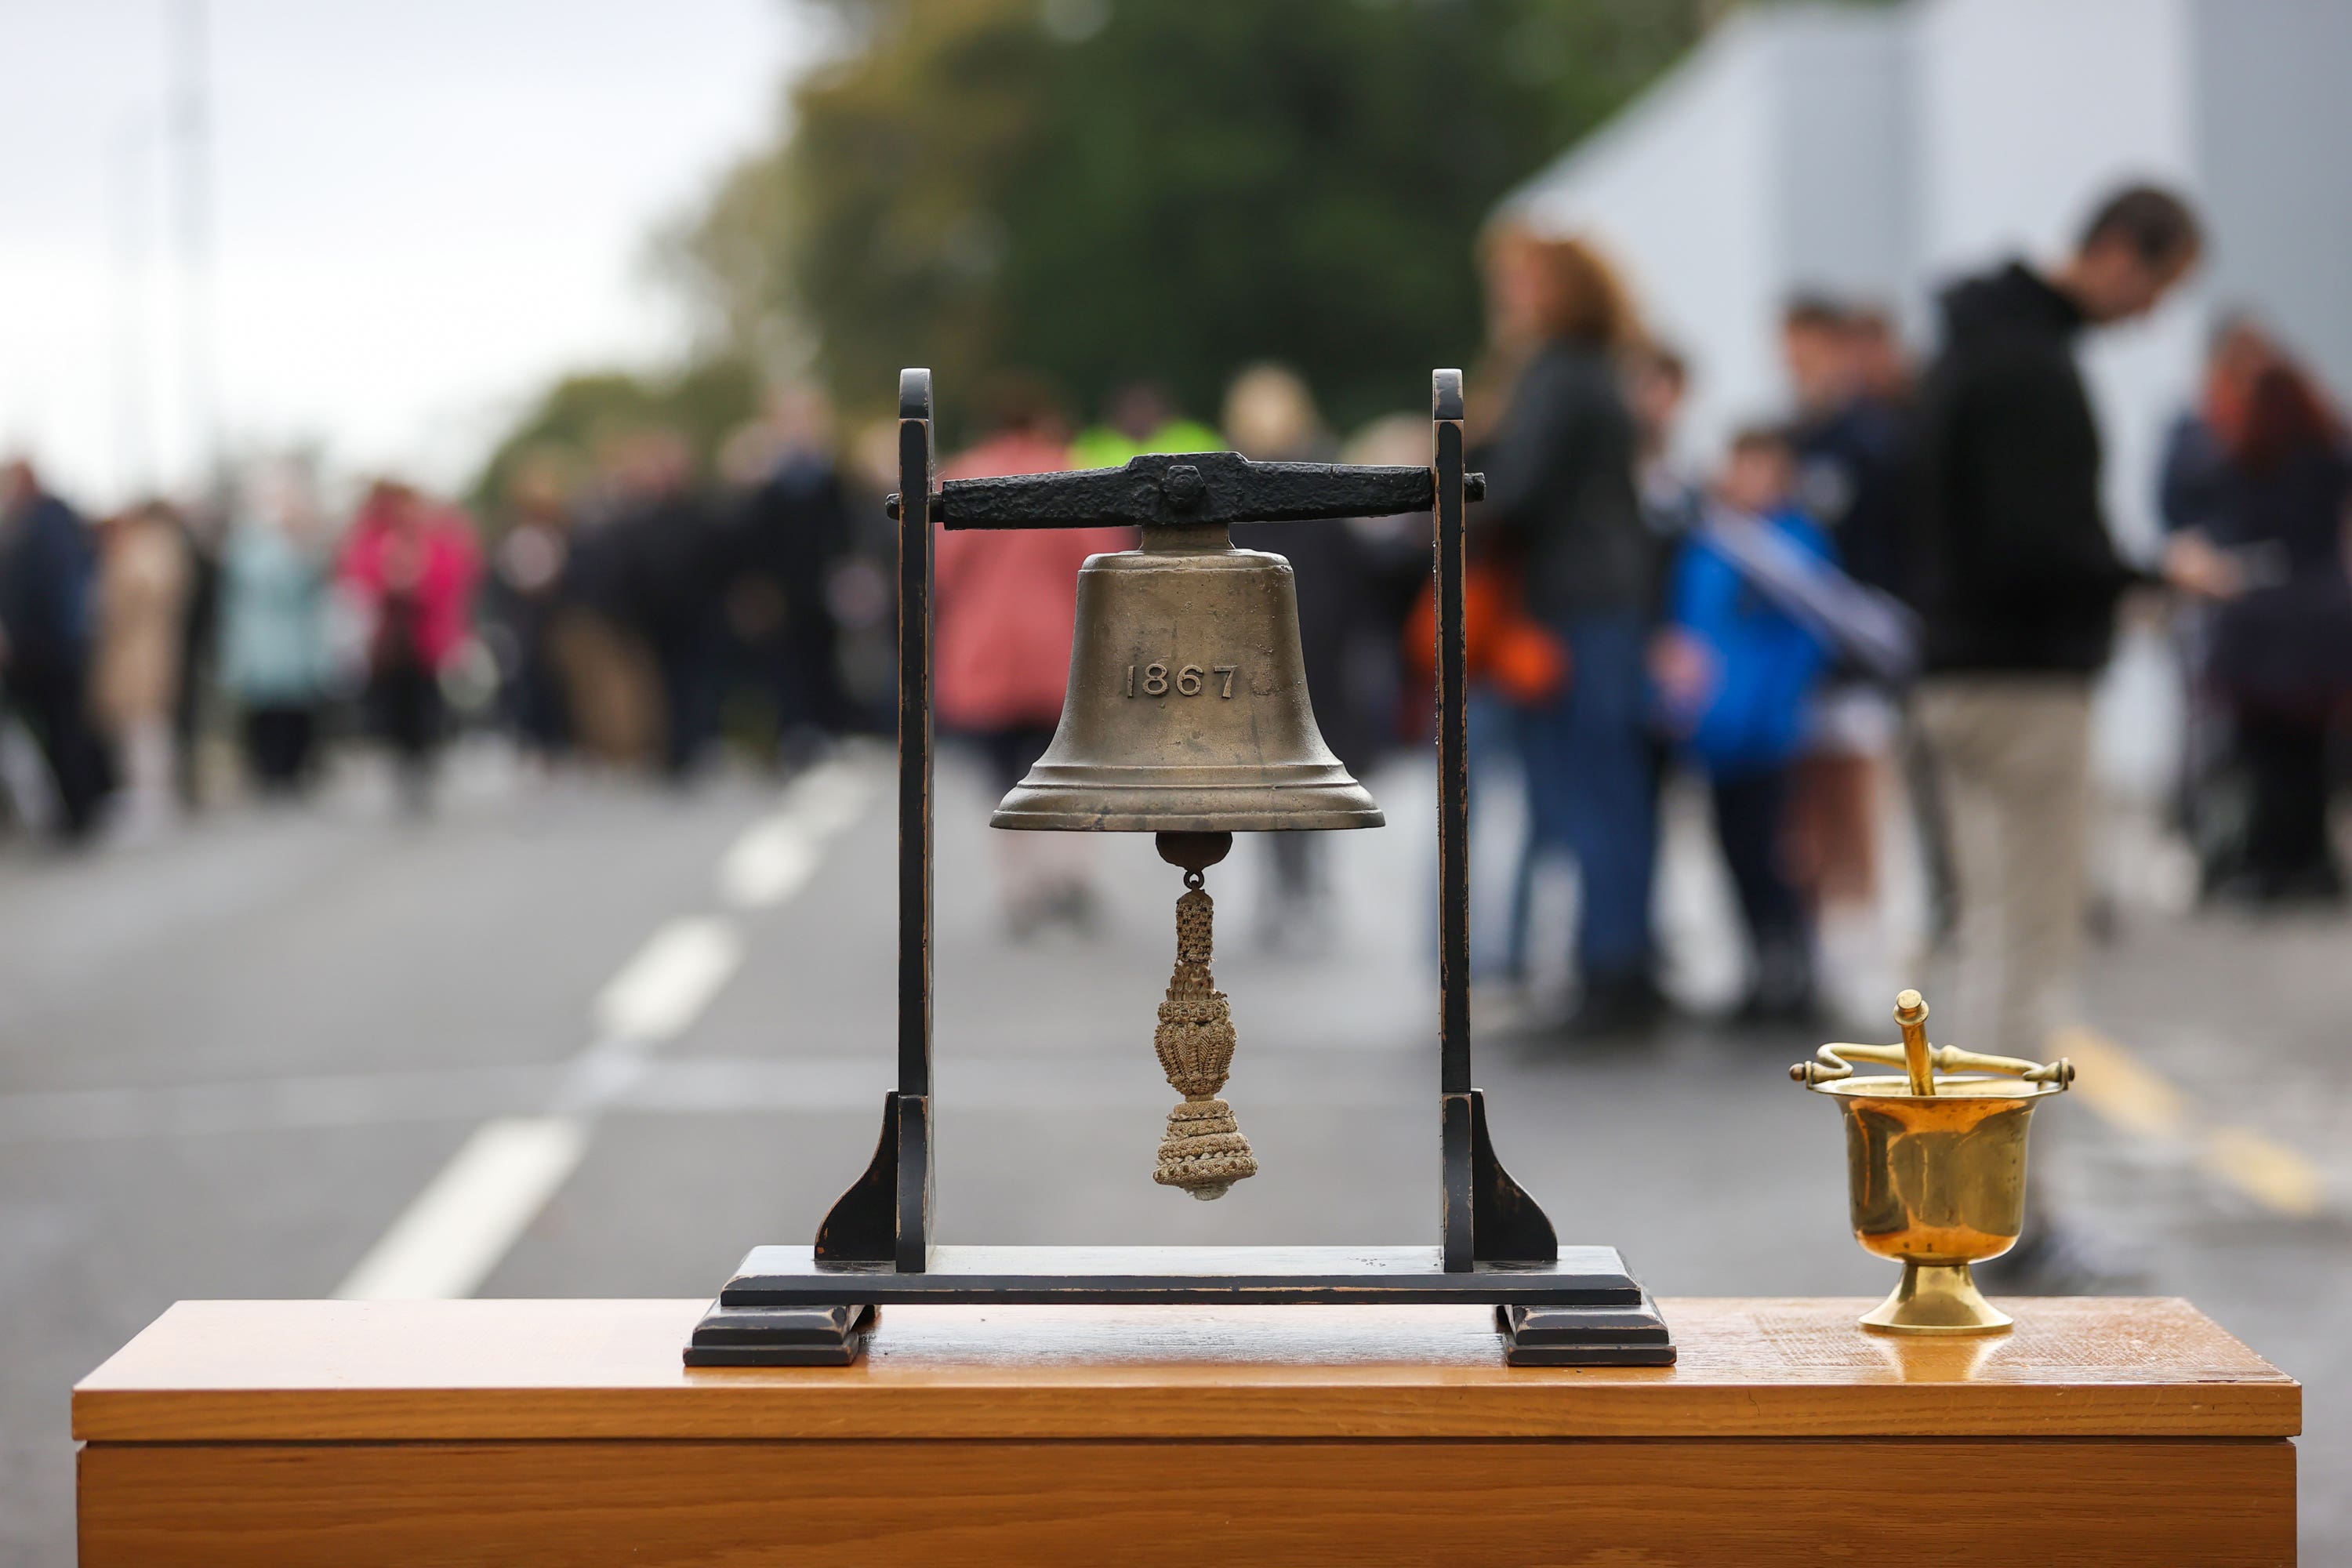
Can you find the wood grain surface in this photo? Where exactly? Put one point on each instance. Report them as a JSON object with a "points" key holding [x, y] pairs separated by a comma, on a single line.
{"points": [[1497, 1505], [281, 1371]]}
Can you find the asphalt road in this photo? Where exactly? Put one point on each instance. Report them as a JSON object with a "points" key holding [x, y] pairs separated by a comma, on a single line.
{"points": [[582, 1037]]}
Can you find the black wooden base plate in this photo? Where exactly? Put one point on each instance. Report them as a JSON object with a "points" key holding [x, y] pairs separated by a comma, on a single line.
{"points": [[1585, 1336], [1196, 1276], [784, 1308], [781, 1336]]}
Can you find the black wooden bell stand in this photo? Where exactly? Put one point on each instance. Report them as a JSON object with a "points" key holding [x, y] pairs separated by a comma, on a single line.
{"points": [[818, 1305]]}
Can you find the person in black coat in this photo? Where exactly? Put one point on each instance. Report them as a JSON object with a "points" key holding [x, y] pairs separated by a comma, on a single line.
{"points": [[665, 567], [2017, 582], [47, 569]]}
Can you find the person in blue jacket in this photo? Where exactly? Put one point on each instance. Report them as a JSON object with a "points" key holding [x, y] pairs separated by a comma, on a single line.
{"points": [[1734, 667]]}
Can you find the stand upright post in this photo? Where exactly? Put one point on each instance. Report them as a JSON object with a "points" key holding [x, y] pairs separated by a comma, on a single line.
{"points": [[912, 1252], [1460, 1213]]}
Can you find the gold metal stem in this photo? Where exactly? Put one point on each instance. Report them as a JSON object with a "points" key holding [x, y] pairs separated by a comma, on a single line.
{"points": [[1937, 1298], [1911, 1012]]}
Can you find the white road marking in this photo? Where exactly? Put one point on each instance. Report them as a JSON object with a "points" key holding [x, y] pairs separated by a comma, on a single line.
{"points": [[776, 855], [769, 864], [447, 1242], [829, 798], [660, 992], [468, 1219]]}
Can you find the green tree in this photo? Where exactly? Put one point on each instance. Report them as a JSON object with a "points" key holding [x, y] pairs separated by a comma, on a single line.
{"points": [[578, 414], [1102, 189]]}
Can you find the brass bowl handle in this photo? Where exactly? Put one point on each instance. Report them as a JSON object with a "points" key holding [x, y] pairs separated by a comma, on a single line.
{"points": [[1831, 1063]]}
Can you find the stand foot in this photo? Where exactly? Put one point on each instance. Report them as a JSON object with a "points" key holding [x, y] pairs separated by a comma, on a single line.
{"points": [[781, 1336], [1585, 1336]]}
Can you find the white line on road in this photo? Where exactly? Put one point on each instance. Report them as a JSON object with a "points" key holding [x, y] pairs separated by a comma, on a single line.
{"points": [[662, 991], [769, 864], [468, 1219], [775, 857], [447, 1241]]}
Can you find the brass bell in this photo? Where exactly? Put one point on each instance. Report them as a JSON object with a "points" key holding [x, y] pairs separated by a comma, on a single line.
{"points": [[1187, 709], [1187, 716]]}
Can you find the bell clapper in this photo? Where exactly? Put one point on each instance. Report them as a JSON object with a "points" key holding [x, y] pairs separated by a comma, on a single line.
{"points": [[1204, 1151]]}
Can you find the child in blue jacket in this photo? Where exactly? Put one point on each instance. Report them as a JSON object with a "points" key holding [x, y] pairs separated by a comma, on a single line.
{"points": [[1735, 667]]}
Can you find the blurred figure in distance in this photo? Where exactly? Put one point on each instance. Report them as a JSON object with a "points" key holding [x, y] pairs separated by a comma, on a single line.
{"points": [[531, 575], [1006, 605], [1657, 380], [1270, 416], [1735, 670], [47, 572], [144, 579], [203, 537], [2192, 493], [668, 562], [410, 564], [2017, 580], [791, 533], [1139, 419], [273, 653], [1886, 372], [1852, 479], [1561, 499], [611, 693], [2269, 546]]}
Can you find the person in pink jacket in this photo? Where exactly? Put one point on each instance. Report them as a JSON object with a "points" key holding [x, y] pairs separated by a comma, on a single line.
{"points": [[1005, 602], [411, 564]]}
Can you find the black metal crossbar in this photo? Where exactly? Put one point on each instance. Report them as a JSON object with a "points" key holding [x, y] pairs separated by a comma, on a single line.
{"points": [[1183, 489]]}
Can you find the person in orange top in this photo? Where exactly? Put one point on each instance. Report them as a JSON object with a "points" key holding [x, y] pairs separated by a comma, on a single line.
{"points": [[1005, 604]]}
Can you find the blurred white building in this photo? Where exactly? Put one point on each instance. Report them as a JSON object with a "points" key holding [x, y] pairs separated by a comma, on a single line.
{"points": [[1877, 151]]}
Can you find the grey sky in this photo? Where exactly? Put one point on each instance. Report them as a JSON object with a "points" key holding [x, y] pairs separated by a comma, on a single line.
{"points": [[423, 210]]}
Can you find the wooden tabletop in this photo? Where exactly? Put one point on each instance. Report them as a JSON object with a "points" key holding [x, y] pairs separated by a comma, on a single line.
{"points": [[308, 1371]]}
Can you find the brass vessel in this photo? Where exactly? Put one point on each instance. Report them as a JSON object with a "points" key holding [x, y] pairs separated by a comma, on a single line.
{"points": [[1935, 1166], [1187, 708]]}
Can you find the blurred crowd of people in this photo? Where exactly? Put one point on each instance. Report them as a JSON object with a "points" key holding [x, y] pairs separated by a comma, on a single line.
{"points": [[1890, 606], [1891, 600], [626, 617], [1908, 585], [1900, 590]]}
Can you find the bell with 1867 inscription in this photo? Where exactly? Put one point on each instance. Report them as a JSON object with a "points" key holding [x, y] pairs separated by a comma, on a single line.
{"points": [[1187, 709], [1187, 716]]}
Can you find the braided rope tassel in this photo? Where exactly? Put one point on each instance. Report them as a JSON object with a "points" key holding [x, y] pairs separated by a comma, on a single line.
{"points": [[1204, 1151]]}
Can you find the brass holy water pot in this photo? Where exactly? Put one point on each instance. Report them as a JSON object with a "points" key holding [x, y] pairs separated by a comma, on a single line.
{"points": [[1935, 1167]]}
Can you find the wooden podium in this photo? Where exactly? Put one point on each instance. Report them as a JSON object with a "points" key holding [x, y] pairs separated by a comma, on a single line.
{"points": [[513, 1433]]}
